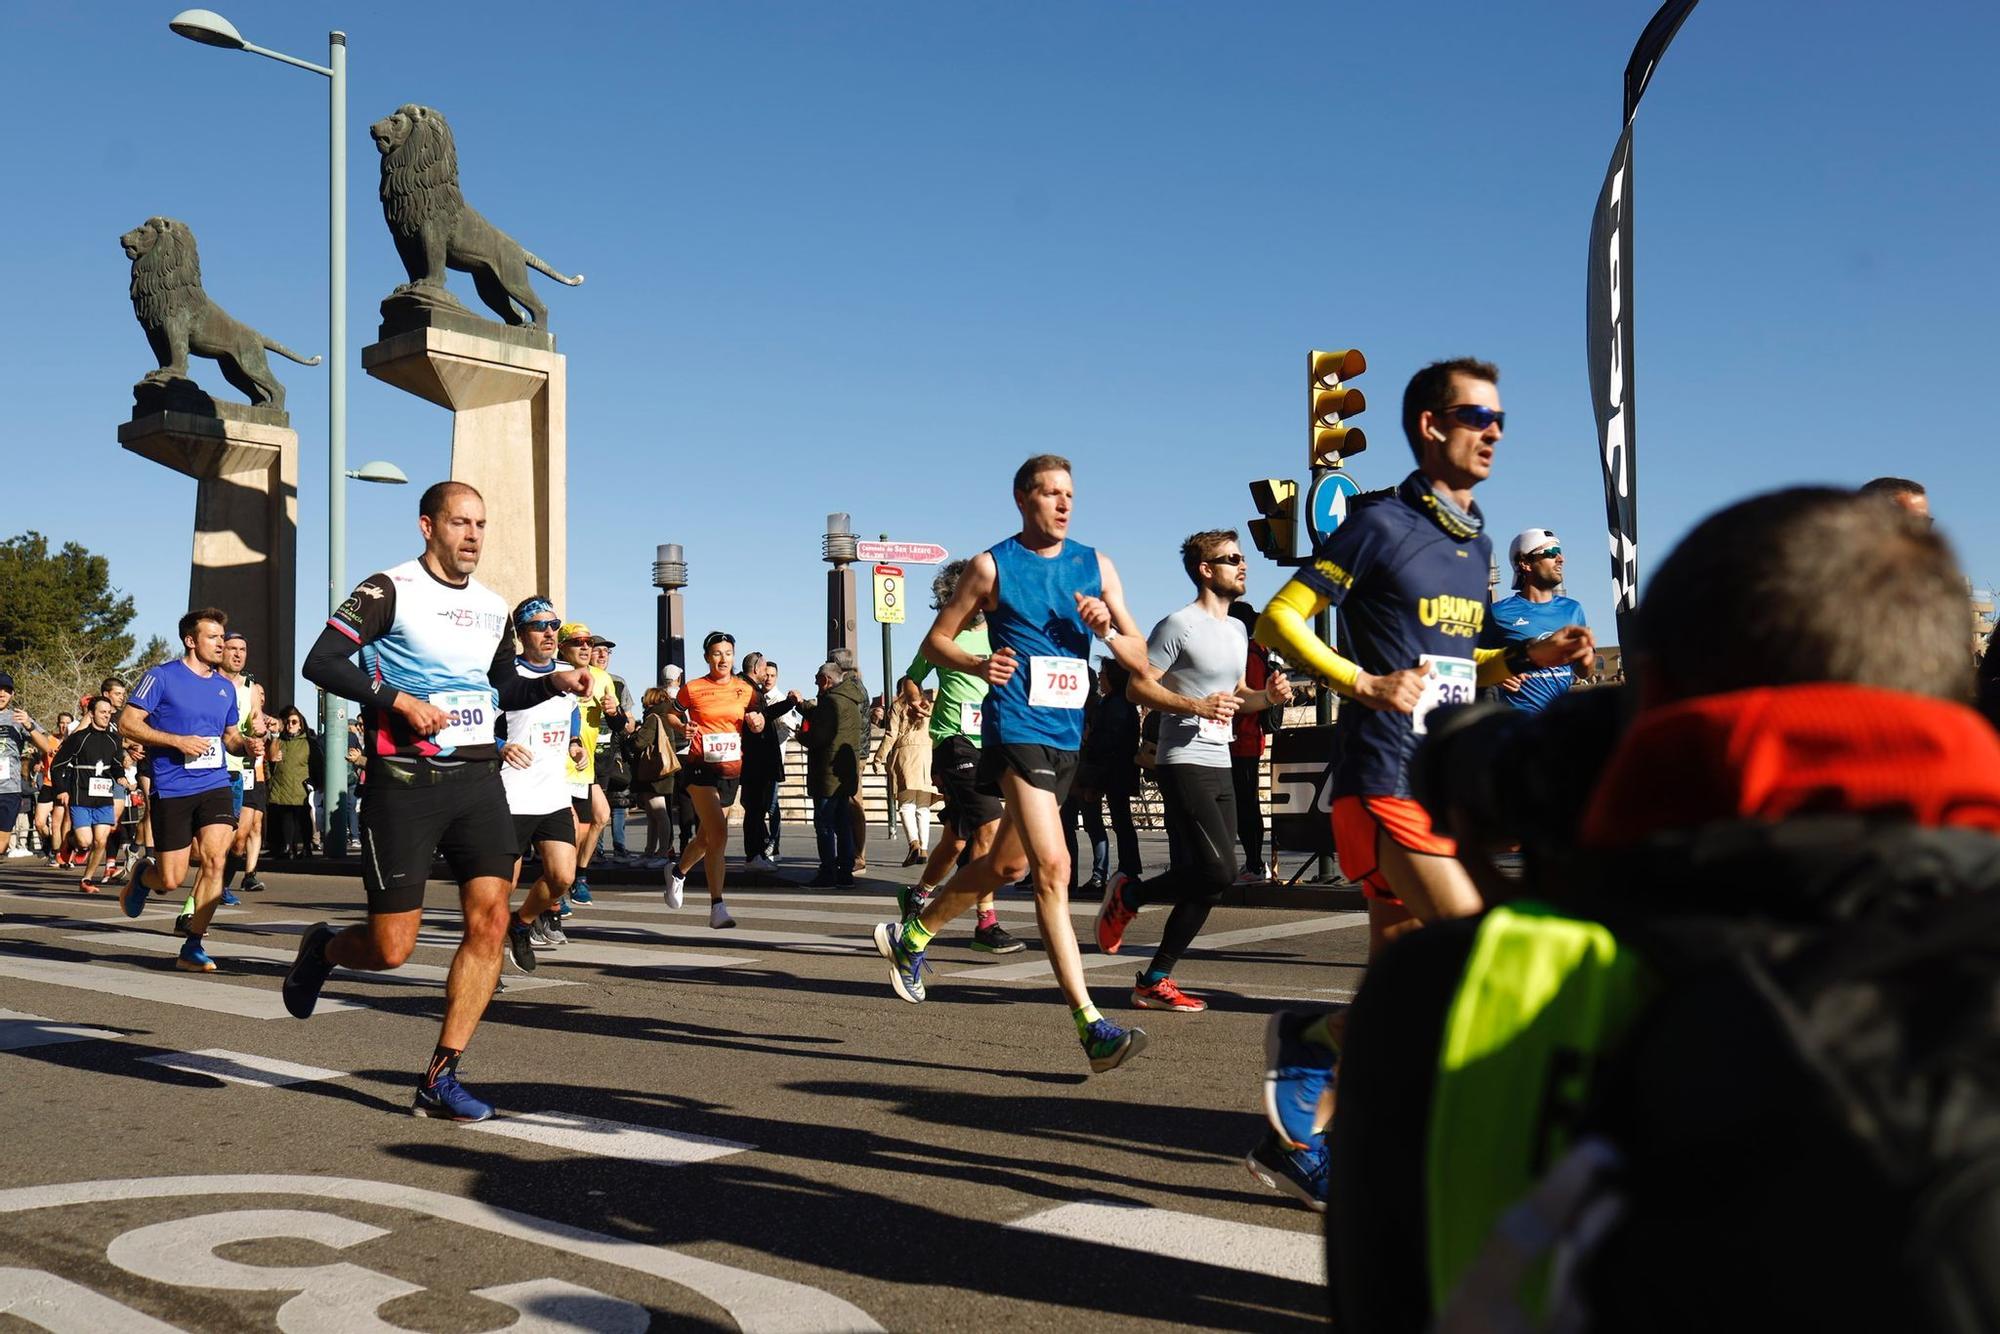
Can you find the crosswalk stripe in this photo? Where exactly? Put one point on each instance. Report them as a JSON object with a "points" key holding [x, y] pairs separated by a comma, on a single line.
{"points": [[18, 1031], [224, 951], [1136, 952], [605, 956], [821, 943], [145, 984], [1246, 1247], [611, 1139], [239, 1067]]}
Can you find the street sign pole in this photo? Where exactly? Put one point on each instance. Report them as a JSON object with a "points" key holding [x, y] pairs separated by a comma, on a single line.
{"points": [[888, 703]]}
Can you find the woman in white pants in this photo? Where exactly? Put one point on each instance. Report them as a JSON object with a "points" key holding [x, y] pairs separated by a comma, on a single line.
{"points": [[905, 749]]}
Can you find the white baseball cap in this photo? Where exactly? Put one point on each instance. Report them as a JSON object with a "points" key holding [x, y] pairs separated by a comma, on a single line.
{"points": [[1532, 539]]}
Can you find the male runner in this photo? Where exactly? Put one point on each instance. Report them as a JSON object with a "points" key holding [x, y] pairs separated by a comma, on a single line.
{"points": [[971, 817], [1535, 610], [90, 761], [184, 714], [1043, 596], [435, 672], [1408, 573], [538, 794], [244, 791], [20, 738], [598, 712], [1200, 652]]}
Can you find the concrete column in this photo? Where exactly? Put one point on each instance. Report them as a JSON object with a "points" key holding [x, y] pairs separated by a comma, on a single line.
{"points": [[508, 395], [246, 515]]}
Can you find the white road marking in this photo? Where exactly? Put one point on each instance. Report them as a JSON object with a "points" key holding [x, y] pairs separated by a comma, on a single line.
{"points": [[227, 948], [1137, 952], [240, 1067], [611, 1139], [757, 1303], [799, 940], [47, 1302], [211, 994], [1246, 1247], [18, 1030], [604, 956]]}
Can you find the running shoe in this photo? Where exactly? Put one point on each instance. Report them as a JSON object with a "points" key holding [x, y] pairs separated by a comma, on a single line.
{"points": [[133, 899], [1296, 1073], [995, 939], [911, 900], [580, 892], [1299, 1173], [538, 935], [184, 924], [1252, 875], [309, 970], [676, 886], [229, 899], [718, 917], [1113, 916], [193, 958], [253, 884], [906, 970], [552, 928], [114, 871], [89, 886], [760, 863], [445, 1099], [562, 908], [1164, 995], [1109, 1046], [521, 945]]}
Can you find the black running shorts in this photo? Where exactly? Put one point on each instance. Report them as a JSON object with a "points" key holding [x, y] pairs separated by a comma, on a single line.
{"points": [[955, 774], [555, 827], [176, 820], [1044, 767], [698, 774], [257, 798], [415, 812]]}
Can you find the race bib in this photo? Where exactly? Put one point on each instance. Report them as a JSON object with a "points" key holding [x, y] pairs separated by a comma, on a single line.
{"points": [[553, 739], [1452, 681], [1058, 683], [212, 760], [1212, 729], [721, 748], [468, 718], [8, 770], [969, 717], [97, 787], [249, 777]]}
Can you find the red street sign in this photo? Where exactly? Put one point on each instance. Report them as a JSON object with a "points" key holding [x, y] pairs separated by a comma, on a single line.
{"points": [[892, 571], [907, 553]]}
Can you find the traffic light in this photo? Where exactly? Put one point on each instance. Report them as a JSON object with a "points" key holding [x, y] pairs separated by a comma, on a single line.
{"points": [[1330, 401], [1275, 535]]}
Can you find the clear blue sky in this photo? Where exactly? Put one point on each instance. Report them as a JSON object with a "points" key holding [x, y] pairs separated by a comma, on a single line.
{"points": [[866, 256]]}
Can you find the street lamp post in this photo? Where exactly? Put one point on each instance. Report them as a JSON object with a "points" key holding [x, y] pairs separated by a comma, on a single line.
{"points": [[211, 29]]}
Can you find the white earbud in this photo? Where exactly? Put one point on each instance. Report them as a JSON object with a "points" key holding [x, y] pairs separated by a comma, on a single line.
{"points": [[1437, 435]]}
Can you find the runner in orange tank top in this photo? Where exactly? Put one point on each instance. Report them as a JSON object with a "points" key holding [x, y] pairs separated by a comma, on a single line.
{"points": [[719, 712]]}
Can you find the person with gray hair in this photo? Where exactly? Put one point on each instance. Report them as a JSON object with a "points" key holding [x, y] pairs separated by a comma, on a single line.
{"points": [[836, 734]]}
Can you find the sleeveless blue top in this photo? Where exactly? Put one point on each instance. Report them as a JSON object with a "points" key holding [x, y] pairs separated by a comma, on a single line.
{"points": [[1036, 617]]}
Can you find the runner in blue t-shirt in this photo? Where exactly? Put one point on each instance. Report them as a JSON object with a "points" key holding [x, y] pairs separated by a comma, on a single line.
{"points": [[1537, 610], [184, 714]]}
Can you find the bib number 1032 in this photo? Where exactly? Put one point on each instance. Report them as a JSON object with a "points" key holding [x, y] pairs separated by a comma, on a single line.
{"points": [[1058, 683]]}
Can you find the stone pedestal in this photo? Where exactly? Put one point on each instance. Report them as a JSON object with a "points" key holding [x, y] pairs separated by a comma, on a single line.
{"points": [[245, 462], [507, 390]]}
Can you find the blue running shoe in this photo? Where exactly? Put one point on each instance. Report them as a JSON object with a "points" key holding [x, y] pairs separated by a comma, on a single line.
{"points": [[1296, 1073], [133, 897], [309, 971], [563, 909], [579, 892], [1109, 1046], [229, 899], [906, 970], [1299, 1173], [446, 1100], [193, 958]]}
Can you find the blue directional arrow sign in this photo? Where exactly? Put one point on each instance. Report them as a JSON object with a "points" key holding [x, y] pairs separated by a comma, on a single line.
{"points": [[1326, 504]]}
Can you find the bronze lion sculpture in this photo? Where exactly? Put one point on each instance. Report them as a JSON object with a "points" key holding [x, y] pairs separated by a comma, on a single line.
{"points": [[435, 229], [179, 318]]}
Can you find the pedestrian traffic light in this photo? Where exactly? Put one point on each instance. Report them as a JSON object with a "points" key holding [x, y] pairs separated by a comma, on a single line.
{"points": [[1330, 401], [1275, 535]]}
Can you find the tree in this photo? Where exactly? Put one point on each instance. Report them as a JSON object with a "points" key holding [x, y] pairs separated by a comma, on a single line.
{"points": [[65, 597]]}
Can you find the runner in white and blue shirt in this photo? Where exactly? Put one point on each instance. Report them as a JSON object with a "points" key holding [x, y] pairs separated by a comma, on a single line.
{"points": [[534, 767], [1535, 611], [435, 674]]}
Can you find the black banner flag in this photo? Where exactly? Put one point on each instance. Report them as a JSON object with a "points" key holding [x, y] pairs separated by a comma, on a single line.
{"points": [[1608, 323]]}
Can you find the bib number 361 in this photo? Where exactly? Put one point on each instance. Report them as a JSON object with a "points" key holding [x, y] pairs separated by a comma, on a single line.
{"points": [[1451, 681], [1058, 683]]}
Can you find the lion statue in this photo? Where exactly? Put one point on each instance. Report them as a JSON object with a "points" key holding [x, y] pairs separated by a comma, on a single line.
{"points": [[435, 229], [179, 318]]}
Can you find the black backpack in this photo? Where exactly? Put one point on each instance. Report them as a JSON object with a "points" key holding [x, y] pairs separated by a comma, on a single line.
{"points": [[1809, 1110]]}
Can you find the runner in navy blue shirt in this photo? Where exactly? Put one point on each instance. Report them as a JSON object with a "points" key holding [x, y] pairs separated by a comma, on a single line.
{"points": [[184, 714], [1536, 610]]}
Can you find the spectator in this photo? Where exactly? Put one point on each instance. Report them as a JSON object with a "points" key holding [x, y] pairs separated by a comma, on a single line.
{"points": [[835, 737], [23, 744], [764, 761], [288, 763], [664, 726], [1113, 747], [51, 823], [905, 749], [843, 658], [1085, 808], [1247, 745], [1768, 992]]}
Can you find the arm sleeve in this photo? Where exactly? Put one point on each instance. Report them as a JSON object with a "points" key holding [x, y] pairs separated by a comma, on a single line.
{"points": [[1286, 626], [515, 690], [366, 616]]}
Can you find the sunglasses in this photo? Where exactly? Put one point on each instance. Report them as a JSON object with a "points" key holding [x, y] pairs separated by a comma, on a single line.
{"points": [[1476, 417], [1543, 554], [1233, 558], [542, 627]]}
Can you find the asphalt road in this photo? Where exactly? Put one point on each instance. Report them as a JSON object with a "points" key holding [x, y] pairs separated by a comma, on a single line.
{"points": [[729, 1129]]}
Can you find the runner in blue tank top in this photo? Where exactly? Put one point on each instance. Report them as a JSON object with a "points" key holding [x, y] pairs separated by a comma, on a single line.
{"points": [[1043, 597]]}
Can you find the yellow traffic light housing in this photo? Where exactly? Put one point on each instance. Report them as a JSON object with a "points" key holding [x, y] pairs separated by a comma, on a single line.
{"points": [[1275, 534], [1330, 400]]}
